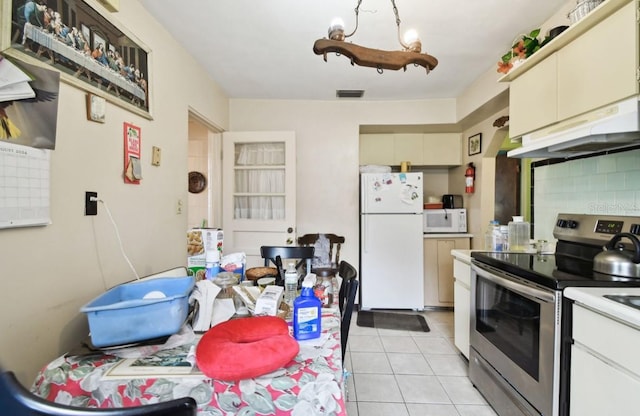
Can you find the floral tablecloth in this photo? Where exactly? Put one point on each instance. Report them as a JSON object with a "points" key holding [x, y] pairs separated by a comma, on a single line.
{"points": [[311, 384]]}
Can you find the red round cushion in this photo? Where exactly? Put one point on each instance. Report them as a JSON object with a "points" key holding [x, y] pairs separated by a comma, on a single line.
{"points": [[245, 348]]}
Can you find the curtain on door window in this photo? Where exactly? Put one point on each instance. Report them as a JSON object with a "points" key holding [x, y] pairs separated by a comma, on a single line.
{"points": [[259, 181]]}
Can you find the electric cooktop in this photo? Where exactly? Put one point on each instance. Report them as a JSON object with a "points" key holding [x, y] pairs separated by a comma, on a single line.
{"points": [[550, 270], [580, 237]]}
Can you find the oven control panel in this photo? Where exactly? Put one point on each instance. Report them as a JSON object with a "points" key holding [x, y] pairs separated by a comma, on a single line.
{"points": [[594, 229], [608, 226]]}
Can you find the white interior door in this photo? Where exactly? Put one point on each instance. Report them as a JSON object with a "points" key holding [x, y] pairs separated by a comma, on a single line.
{"points": [[259, 192]]}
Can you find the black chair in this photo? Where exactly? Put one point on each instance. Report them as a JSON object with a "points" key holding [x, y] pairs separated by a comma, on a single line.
{"points": [[278, 254], [346, 299], [347, 272], [335, 243], [16, 400]]}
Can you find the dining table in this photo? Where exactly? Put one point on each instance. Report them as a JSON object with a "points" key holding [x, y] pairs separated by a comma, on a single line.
{"points": [[312, 383]]}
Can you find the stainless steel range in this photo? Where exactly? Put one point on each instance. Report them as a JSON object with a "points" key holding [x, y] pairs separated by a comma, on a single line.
{"points": [[520, 322]]}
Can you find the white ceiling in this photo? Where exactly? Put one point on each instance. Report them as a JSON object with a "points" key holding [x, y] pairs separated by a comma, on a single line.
{"points": [[262, 49]]}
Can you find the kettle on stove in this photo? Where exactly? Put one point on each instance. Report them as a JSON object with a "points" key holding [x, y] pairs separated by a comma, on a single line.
{"points": [[616, 260]]}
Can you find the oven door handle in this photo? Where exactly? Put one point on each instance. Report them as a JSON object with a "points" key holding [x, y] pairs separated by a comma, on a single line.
{"points": [[516, 287]]}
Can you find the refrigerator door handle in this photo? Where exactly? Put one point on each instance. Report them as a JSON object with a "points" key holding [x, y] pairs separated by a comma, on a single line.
{"points": [[364, 233]]}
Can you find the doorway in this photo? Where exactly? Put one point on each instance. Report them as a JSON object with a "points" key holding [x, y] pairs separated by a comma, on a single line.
{"points": [[507, 188], [204, 207]]}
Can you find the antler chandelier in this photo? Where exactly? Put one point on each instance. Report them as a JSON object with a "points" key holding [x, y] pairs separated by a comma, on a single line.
{"points": [[375, 58]]}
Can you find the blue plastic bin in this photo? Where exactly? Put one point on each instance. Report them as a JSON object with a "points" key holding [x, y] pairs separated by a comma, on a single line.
{"points": [[121, 315]]}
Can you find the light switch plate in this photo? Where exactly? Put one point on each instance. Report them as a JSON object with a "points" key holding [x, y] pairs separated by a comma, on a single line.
{"points": [[155, 156]]}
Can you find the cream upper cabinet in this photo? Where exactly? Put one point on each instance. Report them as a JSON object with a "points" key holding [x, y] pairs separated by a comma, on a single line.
{"points": [[376, 149], [592, 64], [533, 98], [429, 149], [407, 147], [599, 67], [442, 149]]}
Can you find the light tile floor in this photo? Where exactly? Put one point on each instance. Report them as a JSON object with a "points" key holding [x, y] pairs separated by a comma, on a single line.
{"points": [[403, 373]]}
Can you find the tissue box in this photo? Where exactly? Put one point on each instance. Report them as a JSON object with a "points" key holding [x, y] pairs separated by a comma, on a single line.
{"points": [[269, 300], [199, 240], [122, 315], [234, 263]]}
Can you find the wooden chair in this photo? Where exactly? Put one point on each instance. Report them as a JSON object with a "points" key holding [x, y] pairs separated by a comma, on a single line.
{"points": [[278, 254], [346, 299], [335, 243], [16, 400]]}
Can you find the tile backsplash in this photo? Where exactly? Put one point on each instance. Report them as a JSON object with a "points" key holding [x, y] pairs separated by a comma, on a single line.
{"points": [[607, 184]]}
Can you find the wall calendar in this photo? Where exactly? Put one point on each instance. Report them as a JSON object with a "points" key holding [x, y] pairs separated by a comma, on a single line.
{"points": [[24, 186]]}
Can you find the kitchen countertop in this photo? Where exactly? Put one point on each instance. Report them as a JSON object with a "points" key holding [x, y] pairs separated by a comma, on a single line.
{"points": [[464, 255], [447, 235], [593, 298]]}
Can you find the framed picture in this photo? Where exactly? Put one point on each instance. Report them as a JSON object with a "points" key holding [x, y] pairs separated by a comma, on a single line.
{"points": [[475, 144], [81, 40]]}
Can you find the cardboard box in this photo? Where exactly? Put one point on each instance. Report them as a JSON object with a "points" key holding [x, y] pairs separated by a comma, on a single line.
{"points": [[269, 300], [199, 240]]}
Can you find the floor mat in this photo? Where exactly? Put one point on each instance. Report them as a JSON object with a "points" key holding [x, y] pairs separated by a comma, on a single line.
{"points": [[388, 320]]}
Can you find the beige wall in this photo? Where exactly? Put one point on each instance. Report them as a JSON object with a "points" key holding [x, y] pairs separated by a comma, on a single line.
{"points": [[48, 273], [480, 204]]}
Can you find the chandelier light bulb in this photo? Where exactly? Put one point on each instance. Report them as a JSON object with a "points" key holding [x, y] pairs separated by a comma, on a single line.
{"points": [[336, 29], [412, 41]]}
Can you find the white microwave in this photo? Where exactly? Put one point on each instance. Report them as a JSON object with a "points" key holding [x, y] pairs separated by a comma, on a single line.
{"points": [[444, 220]]}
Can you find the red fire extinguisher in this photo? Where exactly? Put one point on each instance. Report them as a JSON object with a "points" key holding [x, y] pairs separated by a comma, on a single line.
{"points": [[470, 177]]}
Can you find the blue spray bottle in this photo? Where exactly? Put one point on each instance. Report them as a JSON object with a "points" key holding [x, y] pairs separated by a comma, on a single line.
{"points": [[307, 311]]}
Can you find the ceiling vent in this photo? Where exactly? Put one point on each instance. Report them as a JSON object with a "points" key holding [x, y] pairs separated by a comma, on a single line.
{"points": [[349, 93]]}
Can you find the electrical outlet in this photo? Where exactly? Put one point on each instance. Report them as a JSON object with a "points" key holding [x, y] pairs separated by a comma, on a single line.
{"points": [[179, 207], [90, 207]]}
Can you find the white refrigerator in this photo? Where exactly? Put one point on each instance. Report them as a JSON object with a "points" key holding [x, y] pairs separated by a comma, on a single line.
{"points": [[391, 241]]}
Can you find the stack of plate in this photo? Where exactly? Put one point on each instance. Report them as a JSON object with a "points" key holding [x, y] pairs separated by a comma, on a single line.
{"points": [[582, 9]]}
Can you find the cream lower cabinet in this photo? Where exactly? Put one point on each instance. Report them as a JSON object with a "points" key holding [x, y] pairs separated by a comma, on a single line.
{"points": [[461, 304], [605, 368], [438, 269]]}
